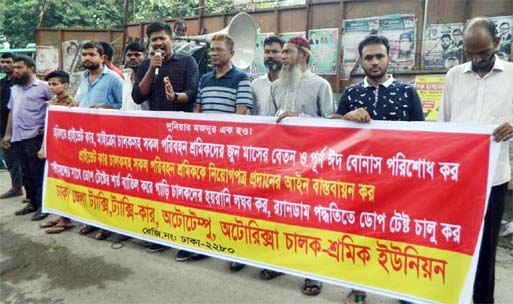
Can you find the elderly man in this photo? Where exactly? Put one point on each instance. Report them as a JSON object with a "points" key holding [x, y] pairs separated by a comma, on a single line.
{"points": [[299, 93], [480, 91]]}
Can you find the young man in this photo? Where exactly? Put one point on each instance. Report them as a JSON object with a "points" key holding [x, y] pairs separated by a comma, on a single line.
{"points": [[59, 84], [168, 81], [25, 130], [480, 91], [380, 97], [99, 88], [108, 54], [134, 56], [180, 27], [224, 90], [262, 85], [11, 159]]}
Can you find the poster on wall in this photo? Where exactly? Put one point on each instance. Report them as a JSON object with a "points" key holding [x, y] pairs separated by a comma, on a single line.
{"points": [[443, 46], [47, 59], [443, 43], [286, 36], [430, 89], [70, 55], [504, 26], [323, 43], [400, 31]]}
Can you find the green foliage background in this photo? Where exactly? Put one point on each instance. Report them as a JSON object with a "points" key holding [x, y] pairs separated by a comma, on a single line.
{"points": [[19, 18]]}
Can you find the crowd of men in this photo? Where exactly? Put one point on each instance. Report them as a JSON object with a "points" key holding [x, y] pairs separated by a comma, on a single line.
{"points": [[478, 91]]}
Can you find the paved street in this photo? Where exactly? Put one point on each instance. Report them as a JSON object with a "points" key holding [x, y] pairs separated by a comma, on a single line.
{"points": [[69, 268]]}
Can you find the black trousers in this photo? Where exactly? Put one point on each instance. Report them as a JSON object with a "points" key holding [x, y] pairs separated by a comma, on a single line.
{"points": [[32, 168], [485, 276]]}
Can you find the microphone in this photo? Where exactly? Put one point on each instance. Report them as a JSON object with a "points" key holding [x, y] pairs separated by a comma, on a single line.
{"points": [[158, 52]]}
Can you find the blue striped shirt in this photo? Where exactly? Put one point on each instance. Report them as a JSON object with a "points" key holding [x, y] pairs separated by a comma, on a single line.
{"points": [[226, 93]]}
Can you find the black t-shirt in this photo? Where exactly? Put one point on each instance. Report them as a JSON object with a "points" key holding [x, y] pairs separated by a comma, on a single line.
{"points": [[5, 94]]}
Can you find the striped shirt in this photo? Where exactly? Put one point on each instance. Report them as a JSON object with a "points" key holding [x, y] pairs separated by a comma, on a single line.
{"points": [[226, 93]]}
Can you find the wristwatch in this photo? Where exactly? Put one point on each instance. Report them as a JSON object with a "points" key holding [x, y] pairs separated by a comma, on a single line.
{"points": [[176, 97]]}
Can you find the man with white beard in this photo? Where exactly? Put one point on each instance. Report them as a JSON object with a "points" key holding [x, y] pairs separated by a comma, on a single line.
{"points": [[298, 92], [262, 85]]}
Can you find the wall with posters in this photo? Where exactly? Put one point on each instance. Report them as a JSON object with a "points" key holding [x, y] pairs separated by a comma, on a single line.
{"points": [[316, 16]]}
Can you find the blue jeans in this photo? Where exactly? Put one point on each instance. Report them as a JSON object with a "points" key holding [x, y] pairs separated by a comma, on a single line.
{"points": [[13, 165]]}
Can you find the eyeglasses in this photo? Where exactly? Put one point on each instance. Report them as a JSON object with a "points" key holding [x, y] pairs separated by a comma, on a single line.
{"points": [[217, 50]]}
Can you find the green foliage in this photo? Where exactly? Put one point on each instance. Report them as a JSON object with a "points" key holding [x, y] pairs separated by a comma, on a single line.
{"points": [[19, 18]]}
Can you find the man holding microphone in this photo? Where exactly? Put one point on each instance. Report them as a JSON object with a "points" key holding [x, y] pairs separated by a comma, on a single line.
{"points": [[168, 81]]}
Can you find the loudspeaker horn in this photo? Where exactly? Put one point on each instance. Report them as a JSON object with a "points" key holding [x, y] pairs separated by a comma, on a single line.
{"points": [[244, 33]]}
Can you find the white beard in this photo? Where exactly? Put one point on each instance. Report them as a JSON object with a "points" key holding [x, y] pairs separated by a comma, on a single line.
{"points": [[289, 79], [289, 76]]}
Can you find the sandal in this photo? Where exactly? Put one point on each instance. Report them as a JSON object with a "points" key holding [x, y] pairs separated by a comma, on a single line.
{"points": [[49, 224], [101, 234], [356, 297], [267, 274], [86, 229], [312, 287], [60, 227]]}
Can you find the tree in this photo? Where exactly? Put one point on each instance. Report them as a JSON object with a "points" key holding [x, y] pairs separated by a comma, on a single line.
{"points": [[20, 18]]}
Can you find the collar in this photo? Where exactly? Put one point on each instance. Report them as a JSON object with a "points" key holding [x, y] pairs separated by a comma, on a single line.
{"points": [[228, 74], [104, 71], [34, 82], [498, 66], [386, 84]]}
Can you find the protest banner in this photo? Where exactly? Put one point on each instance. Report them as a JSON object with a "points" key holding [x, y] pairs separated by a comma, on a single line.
{"points": [[374, 206]]}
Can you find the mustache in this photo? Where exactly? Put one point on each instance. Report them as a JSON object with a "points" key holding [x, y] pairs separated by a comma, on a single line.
{"points": [[273, 65]]}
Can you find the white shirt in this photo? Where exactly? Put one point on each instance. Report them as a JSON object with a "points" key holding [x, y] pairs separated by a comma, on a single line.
{"points": [[128, 103], [468, 98], [261, 95]]}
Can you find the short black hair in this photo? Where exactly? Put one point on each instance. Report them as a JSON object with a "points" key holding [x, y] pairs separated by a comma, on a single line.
{"points": [[407, 35], [457, 31], [135, 47], [274, 39], [179, 22], [29, 62], [8, 55], [94, 45], [373, 39], [157, 27], [63, 76], [445, 36], [108, 50]]}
